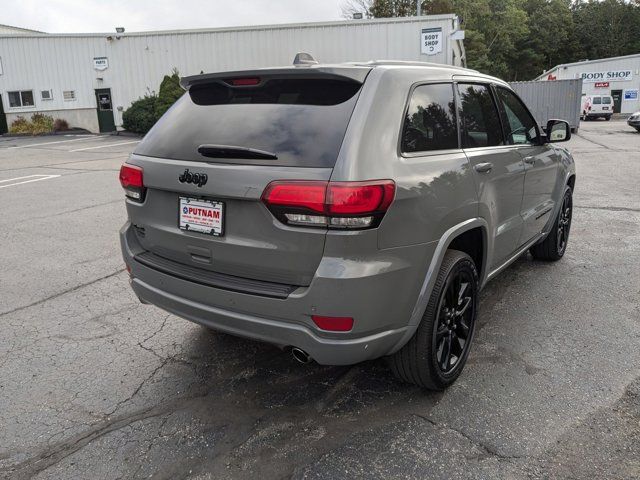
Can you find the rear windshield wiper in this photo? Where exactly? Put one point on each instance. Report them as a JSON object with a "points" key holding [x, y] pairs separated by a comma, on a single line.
{"points": [[230, 151]]}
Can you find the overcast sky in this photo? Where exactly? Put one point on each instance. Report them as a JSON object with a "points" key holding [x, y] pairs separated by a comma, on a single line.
{"points": [[65, 16]]}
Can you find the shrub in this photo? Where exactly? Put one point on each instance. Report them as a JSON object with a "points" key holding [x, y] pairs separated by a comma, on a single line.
{"points": [[141, 115], [146, 111], [60, 125], [170, 91], [41, 123], [20, 125]]}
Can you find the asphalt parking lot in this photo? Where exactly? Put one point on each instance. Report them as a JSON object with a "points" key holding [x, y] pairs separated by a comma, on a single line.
{"points": [[95, 385]]}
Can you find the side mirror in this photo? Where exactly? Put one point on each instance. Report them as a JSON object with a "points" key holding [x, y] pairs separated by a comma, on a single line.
{"points": [[558, 131]]}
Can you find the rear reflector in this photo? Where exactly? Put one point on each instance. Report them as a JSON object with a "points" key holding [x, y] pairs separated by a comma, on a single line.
{"points": [[131, 179], [333, 324], [334, 204]]}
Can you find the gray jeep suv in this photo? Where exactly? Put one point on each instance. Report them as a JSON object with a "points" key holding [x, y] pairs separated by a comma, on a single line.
{"points": [[346, 212]]}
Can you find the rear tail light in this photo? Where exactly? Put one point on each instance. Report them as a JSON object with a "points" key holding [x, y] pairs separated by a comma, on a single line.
{"points": [[336, 205], [333, 324], [131, 179]]}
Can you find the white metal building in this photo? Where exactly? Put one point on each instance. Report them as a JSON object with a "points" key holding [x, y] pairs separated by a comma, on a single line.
{"points": [[70, 76], [616, 76]]}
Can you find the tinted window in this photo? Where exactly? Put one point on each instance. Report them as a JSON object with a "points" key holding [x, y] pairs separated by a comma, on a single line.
{"points": [[597, 100], [606, 100], [430, 122], [302, 122], [309, 91], [480, 122], [520, 126]]}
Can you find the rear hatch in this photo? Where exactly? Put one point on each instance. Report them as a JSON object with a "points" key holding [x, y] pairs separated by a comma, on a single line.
{"points": [[218, 148], [601, 104]]}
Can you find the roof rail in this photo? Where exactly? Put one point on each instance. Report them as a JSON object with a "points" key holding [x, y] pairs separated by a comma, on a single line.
{"points": [[411, 63]]}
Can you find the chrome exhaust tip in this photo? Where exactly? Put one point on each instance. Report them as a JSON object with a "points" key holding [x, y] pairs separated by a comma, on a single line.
{"points": [[300, 355]]}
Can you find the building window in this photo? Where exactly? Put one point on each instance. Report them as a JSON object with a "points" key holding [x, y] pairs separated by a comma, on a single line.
{"points": [[22, 98], [69, 95], [46, 95]]}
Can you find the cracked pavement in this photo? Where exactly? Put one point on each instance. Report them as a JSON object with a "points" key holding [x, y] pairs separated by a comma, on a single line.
{"points": [[94, 384]]}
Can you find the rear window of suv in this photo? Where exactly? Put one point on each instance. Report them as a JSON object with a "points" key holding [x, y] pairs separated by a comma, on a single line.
{"points": [[289, 121], [606, 100], [597, 100]]}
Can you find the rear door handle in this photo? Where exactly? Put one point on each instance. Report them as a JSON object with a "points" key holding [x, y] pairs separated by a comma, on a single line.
{"points": [[530, 160], [483, 167]]}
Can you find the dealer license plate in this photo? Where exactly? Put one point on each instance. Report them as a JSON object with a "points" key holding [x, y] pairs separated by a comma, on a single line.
{"points": [[203, 216]]}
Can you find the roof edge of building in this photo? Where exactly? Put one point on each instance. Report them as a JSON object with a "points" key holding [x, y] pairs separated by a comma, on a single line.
{"points": [[276, 26], [584, 62]]}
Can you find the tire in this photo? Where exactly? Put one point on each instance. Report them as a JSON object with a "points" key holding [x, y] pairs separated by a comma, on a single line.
{"points": [[608, 117], [421, 361], [552, 248]]}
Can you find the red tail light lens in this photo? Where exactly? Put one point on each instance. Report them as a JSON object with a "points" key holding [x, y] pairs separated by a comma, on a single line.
{"points": [[131, 179], [307, 195], [350, 205], [359, 197], [333, 324]]}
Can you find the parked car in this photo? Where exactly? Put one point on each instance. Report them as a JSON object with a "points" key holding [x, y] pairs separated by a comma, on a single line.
{"points": [[597, 106], [634, 121], [344, 212]]}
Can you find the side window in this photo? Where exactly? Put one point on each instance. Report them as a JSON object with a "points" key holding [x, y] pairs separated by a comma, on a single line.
{"points": [[480, 122], [430, 122], [520, 126]]}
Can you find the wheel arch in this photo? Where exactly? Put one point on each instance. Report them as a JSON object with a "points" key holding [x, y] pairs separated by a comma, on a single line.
{"points": [[461, 236]]}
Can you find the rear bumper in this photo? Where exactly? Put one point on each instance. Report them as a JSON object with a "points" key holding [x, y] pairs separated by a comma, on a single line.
{"points": [[379, 295], [634, 123]]}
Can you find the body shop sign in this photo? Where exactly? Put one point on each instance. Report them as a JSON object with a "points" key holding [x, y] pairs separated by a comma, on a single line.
{"points": [[431, 39], [610, 76]]}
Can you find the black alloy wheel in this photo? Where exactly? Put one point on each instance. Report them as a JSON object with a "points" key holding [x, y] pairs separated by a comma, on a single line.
{"points": [[436, 354], [455, 318], [564, 222]]}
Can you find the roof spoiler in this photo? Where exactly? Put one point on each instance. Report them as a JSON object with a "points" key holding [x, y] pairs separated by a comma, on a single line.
{"points": [[355, 73]]}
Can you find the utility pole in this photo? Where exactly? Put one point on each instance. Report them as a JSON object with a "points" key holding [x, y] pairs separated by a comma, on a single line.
{"points": [[419, 7]]}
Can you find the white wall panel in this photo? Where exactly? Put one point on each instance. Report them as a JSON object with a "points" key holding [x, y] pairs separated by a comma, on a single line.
{"points": [[138, 61]]}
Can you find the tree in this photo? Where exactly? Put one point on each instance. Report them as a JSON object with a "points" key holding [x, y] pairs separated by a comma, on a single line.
{"points": [[608, 28], [349, 7], [146, 111], [170, 91], [518, 39]]}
